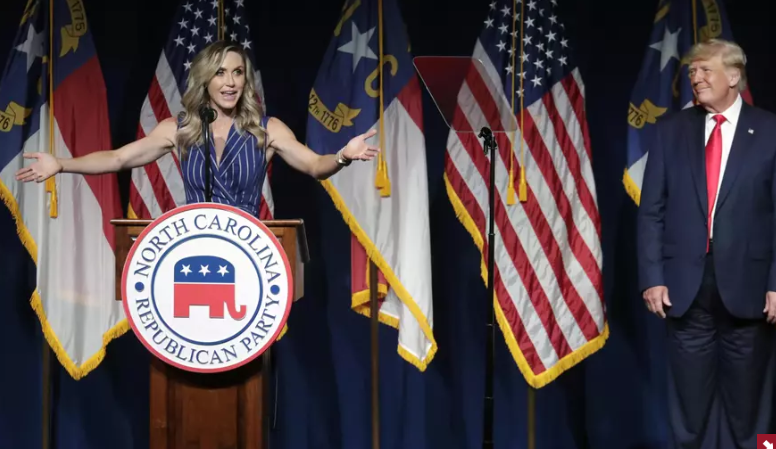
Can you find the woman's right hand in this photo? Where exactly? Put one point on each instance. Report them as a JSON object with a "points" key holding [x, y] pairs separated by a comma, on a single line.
{"points": [[44, 167]]}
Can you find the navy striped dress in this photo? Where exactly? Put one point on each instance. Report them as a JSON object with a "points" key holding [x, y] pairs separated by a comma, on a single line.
{"points": [[237, 180]]}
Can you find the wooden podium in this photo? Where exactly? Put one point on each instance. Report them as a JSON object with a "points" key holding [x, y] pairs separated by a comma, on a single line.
{"points": [[228, 410]]}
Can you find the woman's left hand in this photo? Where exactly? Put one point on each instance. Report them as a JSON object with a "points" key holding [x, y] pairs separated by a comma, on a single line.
{"points": [[358, 149]]}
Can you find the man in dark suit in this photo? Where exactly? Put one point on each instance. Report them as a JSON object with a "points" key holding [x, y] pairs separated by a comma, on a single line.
{"points": [[707, 251]]}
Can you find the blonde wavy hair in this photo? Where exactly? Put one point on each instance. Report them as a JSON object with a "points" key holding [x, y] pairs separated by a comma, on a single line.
{"points": [[203, 68]]}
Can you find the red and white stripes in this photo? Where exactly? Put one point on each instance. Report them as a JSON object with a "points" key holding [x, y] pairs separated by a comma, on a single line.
{"points": [[548, 281]]}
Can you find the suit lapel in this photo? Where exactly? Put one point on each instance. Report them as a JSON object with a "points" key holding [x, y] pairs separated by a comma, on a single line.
{"points": [[697, 153], [738, 154]]}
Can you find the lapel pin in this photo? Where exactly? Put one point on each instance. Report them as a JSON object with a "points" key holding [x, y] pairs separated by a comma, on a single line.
{"points": [[751, 131]]}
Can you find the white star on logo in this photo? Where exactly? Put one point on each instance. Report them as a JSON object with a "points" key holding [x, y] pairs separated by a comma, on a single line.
{"points": [[359, 45], [204, 269], [186, 270], [222, 270]]}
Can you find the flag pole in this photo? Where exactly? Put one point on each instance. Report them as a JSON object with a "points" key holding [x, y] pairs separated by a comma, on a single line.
{"points": [[46, 362], [374, 311], [220, 31], [523, 194]]}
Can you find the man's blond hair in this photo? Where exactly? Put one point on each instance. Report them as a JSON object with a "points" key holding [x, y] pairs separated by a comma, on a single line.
{"points": [[732, 55]]}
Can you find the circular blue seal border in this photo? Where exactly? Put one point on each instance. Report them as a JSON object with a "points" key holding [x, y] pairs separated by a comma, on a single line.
{"points": [[207, 206]]}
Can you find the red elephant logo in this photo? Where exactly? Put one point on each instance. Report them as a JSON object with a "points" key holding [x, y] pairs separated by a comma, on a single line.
{"points": [[206, 281]]}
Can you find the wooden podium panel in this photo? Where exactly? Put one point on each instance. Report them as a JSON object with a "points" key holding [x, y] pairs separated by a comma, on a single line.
{"points": [[227, 410]]}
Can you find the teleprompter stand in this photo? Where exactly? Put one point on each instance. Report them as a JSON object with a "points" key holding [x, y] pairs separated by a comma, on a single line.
{"points": [[468, 100]]}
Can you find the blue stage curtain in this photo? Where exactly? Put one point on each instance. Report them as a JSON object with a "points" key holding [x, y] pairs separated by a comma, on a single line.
{"points": [[20, 369], [22, 340]]}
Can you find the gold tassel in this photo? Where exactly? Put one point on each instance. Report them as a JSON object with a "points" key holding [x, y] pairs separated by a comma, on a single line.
{"points": [[51, 187], [523, 186], [51, 183], [381, 176], [511, 185], [382, 183], [385, 188]]}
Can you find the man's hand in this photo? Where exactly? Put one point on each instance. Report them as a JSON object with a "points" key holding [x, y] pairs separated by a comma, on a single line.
{"points": [[657, 297], [770, 307]]}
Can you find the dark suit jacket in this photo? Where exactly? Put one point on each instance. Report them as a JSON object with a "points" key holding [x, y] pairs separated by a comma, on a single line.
{"points": [[671, 224]]}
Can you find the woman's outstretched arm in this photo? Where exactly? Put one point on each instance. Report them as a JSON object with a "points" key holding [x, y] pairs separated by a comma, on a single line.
{"points": [[160, 141], [283, 142]]}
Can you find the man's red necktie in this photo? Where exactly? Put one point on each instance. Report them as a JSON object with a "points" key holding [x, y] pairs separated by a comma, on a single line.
{"points": [[713, 161]]}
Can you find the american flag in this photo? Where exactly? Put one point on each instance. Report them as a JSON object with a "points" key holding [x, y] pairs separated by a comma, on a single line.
{"points": [[158, 187], [548, 282]]}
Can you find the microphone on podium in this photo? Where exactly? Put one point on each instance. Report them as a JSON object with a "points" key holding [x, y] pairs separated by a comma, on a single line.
{"points": [[208, 116]]}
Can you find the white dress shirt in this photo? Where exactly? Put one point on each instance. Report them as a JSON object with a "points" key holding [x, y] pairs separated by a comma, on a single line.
{"points": [[728, 130]]}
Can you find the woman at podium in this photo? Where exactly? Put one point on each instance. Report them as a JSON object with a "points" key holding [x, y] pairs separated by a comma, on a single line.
{"points": [[220, 94]]}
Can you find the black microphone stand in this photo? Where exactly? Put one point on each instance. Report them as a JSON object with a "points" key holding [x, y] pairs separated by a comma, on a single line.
{"points": [[489, 145], [208, 116]]}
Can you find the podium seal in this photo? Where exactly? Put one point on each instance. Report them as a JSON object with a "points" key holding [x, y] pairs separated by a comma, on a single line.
{"points": [[207, 287]]}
